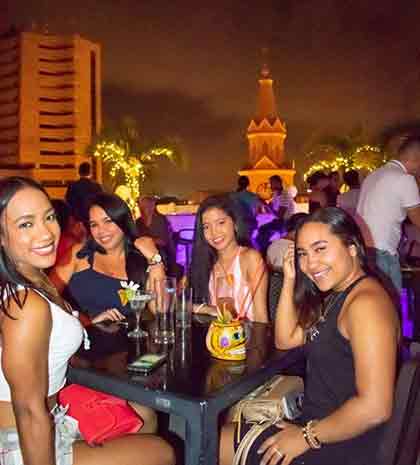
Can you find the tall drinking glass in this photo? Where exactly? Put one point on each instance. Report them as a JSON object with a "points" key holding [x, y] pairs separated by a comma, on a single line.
{"points": [[165, 290], [137, 305], [224, 294]]}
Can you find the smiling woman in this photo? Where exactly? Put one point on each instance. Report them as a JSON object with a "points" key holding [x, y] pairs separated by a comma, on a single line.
{"points": [[332, 306], [38, 336], [223, 262]]}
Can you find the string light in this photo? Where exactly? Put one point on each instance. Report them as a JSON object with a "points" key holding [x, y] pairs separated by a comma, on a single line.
{"points": [[134, 167], [366, 157]]}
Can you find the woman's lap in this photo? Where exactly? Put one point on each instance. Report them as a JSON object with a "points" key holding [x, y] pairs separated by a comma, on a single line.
{"points": [[332, 454]]}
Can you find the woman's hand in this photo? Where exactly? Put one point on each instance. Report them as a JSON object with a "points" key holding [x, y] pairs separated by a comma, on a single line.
{"points": [[204, 309], [111, 314], [283, 446], [156, 274], [289, 270]]}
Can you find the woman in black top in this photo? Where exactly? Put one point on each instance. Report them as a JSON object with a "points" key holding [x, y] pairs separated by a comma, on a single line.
{"points": [[349, 329]]}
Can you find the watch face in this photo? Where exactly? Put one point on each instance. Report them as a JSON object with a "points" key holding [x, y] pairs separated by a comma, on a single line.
{"points": [[156, 259]]}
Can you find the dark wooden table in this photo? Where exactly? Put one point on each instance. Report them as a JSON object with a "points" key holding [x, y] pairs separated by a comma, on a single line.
{"points": [[191, 384]]}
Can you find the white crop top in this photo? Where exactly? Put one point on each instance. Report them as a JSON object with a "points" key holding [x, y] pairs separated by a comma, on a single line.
{"points": [[65, 338]]}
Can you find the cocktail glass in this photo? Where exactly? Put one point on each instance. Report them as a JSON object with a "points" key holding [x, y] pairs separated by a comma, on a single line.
{"points": [[137, 305]]}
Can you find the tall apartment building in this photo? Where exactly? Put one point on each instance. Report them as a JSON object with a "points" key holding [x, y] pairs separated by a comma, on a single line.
{"points": [[50, 106]]}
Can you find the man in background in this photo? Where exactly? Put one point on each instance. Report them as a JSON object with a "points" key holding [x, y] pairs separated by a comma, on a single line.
{"points": [[81, 191], [388, 195]]}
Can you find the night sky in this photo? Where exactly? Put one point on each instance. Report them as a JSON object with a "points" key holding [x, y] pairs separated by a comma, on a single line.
{"points": [[189, 69]]}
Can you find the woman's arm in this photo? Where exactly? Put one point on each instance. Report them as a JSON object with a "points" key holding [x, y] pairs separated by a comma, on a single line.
{"points": [[148, 248], [288, 333], [64, 268], [256, 276], [25, 341]]}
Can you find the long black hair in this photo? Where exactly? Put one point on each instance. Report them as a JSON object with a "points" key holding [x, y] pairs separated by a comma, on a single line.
{"points": [[119, 212], [203, 255], [10, 277], [308, 298]]}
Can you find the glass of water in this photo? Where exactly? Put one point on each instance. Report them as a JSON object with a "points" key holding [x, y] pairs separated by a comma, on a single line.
{"points": [[165, 291], [137, 305]]}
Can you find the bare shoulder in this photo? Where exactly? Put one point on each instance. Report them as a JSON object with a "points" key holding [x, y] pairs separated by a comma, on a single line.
{"points": [[34, 306], [370, 300], [251, 256]]}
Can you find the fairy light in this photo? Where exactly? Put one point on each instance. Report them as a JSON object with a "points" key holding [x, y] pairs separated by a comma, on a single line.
{"points": [[366, 157], [134, 167]]}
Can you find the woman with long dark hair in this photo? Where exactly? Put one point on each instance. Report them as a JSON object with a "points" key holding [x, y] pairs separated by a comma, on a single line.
{"points": [[221, 250], [91, 274], [39, 334], [349, 329]]}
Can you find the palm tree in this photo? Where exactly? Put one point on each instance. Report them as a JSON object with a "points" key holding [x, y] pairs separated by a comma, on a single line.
{"points": [[352, 151], [129, 160]]}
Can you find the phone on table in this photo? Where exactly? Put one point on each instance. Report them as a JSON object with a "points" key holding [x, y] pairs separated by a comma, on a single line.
{"points": [[146, 363]]}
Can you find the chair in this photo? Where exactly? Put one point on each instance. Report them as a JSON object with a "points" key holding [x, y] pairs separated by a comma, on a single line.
{"points": [[185, 238], [402, 435], [275, 285]]}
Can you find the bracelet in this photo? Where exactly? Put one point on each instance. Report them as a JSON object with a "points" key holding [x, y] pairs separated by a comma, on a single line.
{"points": [[310, 437], [200, 307]]}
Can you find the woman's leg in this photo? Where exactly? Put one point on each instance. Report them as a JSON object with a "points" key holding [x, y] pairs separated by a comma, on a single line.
{"points": [[133, 449], [149, 417], [226, 450]]}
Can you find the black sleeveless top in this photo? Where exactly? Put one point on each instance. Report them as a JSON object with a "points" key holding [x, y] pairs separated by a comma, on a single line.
{"points": [[330, 381]]}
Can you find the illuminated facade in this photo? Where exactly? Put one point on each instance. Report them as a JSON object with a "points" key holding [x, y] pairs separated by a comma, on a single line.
{"points": [[266, 135], [50, 106]]}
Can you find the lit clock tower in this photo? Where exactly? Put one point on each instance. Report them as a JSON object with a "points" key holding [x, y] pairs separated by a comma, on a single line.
{"points": [[266, 135]]}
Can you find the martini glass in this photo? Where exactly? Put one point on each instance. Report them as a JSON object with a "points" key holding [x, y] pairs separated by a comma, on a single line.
{"points": [[137, 305]]}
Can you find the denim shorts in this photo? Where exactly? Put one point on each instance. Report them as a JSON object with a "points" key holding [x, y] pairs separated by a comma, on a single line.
{"points": [[66, 432]]}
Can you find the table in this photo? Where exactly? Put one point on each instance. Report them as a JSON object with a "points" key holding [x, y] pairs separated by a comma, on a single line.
{"points": [[191, 384]]}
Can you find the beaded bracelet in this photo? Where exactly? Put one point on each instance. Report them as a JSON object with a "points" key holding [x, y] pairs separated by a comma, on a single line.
{"points": [[310, 436]]}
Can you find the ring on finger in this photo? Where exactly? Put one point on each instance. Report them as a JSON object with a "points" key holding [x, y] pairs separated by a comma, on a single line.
{"points": [[280, 454]]}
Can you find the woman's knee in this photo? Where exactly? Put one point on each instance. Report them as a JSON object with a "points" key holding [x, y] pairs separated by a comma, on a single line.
{"points": [[148, 416]]}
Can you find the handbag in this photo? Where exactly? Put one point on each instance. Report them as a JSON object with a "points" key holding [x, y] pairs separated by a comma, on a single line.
{"points": [[279, 398], [101, 416]]}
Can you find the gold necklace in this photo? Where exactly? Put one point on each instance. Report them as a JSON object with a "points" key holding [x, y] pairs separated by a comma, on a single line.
{"points": [[333, 299]]}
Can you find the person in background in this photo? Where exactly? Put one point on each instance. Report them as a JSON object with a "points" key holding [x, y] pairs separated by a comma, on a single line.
{"points": [[317, 183], [282, 205], [278, 248], [387, 196], [155, 225], [81, 191], [221, 252], [38, 336], [250, 201], [333, 190], [349, 329], [348, 200]]}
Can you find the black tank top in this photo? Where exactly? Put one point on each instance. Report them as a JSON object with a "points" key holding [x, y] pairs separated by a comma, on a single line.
{"points": [[330, 381]]}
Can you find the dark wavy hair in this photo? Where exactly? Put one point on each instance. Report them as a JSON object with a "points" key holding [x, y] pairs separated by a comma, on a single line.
{"points": [[120, 214], [10, 277], [203, 255], [308, 298]]}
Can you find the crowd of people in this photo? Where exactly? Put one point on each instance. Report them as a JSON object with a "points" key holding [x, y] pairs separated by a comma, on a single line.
{"points": [[340, 273]]}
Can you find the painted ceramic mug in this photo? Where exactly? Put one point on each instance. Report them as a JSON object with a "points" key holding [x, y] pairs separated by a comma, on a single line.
{"points": [[226, 341]]}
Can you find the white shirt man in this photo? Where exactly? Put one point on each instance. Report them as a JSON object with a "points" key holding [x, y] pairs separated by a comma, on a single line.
{"points": [[387, 196]]}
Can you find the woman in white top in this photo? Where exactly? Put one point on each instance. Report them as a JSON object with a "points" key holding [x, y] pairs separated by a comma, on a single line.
{"points": [[38, 337]]}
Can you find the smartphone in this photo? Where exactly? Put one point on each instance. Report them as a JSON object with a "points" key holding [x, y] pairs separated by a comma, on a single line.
{"points": [[146, 363]]}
